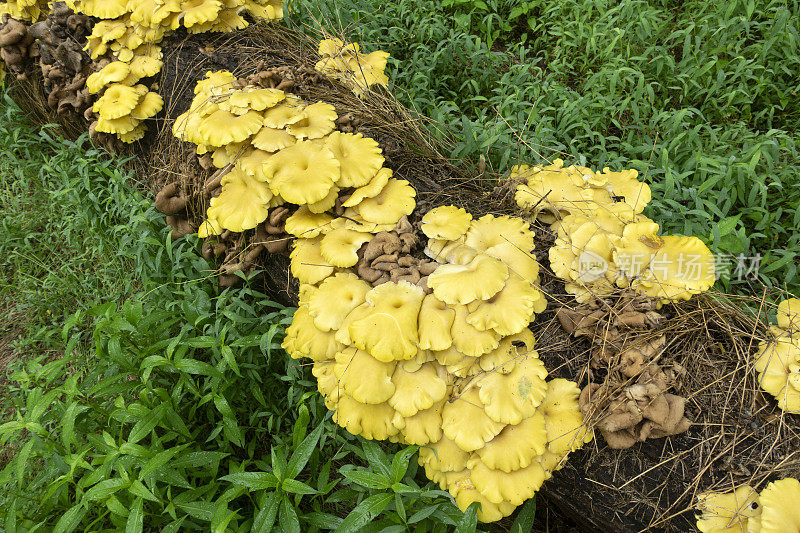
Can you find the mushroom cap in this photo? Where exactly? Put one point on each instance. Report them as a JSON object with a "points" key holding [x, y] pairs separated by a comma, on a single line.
{"points": [[363, 377], [115, 71], [435, 323], [134, 135], [395, 200], [117, 101], [369, 421], [257, 99], [566, 431], [778, 364], [305, 224], [303, 173], [307, 263], [214, 84], [682, 267], [222, 127], [516, 446], [490, 230], [388, 330], [287, 112], [370, 190], [145, 66], [511, 349], [360, 157], [443, 456], [510, 488], [479, 279], [120, 126], [779, 506], [303, 339], [148, 106], [634, 252], [624, 183], [272, 139], [199, 11], [340, 246], [446, 222], [249, 160], [789, 314], [316, 121], [464, 492], [727, 513], [466, 423], [509, 311], [419, 390], [336, 297], [469, 340], [243, 203], [509, 398], [327, 384], [520, 261], [424, 427], [104, 9]]}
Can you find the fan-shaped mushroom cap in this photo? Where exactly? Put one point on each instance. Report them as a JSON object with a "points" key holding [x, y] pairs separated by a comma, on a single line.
{"points": [[395, 200], [223, 127], [307, 263], [435, 322], [115, 71], [517, 446], [303, 339], [418, 390], [273, 139], [145, 66], [635, 250], [512, 349], [727, 513], [363, 377], [443, 456], [552, 191], [148, 106], [119, 126], [463, 490], [118, 101], [371, 189], [479, 279], [510, 488], [789, 314], [780, 512], [562, 415], [316, 121], [303, 173], [305, 224], [287, 112], [519, 261], [682, 267], [327, 384], [388, 329], [336, 297], [507, 312], [214, 84], [624, 184], [369, 421], [422, 428], [200, 11], [104, 9], [509, 398], [490, 230], [243, 203], [249, 160], [134, 135], [466, 423], [257, 99], [469, 340], [778, 364], [360, 157], [446, 222], [340, 246]]}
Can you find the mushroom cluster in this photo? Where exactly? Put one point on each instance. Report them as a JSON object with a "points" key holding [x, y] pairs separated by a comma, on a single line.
{"points": [[25, 10], [129, 32], [604, 242], [778, 359], [744, 510], [65, 65], [613, 247], [552, 191], [16, 48], [345, 62]]}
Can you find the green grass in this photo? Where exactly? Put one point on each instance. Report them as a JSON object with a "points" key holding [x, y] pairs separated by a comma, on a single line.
{"points": [[700, 97]]}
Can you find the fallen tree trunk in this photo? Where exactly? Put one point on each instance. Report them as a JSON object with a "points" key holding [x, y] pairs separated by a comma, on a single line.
{"points": [[738, 435]]}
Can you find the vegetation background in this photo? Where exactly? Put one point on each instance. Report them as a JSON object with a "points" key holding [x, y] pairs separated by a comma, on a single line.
{"points": [[137, 394]]}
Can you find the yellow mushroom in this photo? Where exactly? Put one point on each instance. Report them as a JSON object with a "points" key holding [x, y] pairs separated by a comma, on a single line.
{"points": [[395, 200], [446, 222], [360, 158], [780, 512], [363, 377], [728, 513], [307, 263], [303, 173]]}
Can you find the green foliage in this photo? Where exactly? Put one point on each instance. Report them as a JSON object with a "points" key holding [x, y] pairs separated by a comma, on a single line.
{"points": [[174, 407], [700, 97]]}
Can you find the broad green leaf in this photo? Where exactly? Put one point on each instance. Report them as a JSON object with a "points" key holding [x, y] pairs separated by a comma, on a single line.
{"points": [[364, 513], [135, 522], [252, 480], [524, 520], [469, 521], [302, 453], [70, 519], [105, 488], [400, 463], [287, 518], [265, 518]]}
